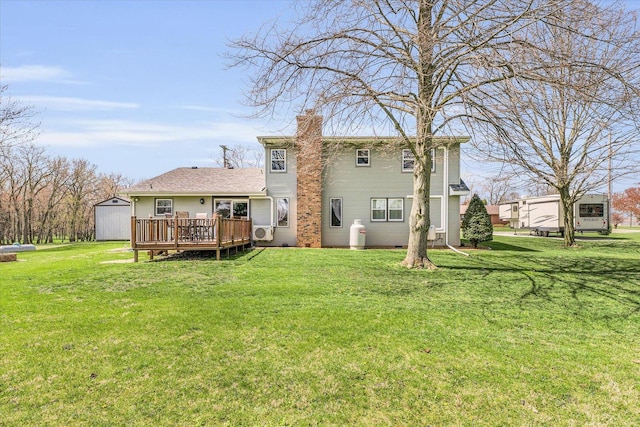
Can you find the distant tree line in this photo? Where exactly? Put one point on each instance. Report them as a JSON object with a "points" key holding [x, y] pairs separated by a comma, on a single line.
{"points": [[44, 198]]}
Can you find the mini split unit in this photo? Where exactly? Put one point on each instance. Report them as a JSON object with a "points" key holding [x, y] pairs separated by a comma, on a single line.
{"points": [[263, 233]]}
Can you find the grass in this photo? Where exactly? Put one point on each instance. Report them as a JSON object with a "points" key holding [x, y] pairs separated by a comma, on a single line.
{"points": [[527, 333]]}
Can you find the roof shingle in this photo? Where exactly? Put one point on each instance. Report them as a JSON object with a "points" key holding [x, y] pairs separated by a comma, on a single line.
{"points": [[216, 181]]}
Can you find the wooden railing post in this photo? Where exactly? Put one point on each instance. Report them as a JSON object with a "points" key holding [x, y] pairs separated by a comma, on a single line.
{"points": [[218, 230], [175, 230], [133, 232]]}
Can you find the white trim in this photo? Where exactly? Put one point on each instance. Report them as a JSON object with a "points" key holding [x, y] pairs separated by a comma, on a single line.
{"points": [[443, 214]]}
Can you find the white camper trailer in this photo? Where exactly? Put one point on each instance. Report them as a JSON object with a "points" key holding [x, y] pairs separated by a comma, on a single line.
{"points": [[544, 215]]}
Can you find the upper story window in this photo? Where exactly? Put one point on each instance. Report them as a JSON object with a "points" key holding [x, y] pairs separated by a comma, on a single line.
{"points": [[409, 160], [363, 157], [278, 160], [164, 207]]}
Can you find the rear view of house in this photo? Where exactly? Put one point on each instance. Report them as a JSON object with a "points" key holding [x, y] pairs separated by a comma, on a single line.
{"points": [[321, 185], [313, 188]]}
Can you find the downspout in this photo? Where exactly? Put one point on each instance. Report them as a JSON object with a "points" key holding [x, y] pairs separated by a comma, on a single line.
{"points": [[445, 195]]}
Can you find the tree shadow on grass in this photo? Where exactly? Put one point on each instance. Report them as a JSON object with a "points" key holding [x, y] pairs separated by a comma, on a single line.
{"points": [[500, 246], [603, 288]]}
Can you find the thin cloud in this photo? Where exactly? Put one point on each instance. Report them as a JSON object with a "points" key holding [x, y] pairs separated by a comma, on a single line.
{"points": [[106, 133], [59, 103], [31, 73]]}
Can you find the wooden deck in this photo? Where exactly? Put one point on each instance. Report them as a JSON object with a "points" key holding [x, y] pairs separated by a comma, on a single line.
{"points": [[189, 234]]}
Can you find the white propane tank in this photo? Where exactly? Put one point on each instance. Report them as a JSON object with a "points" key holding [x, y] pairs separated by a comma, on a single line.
{"points": [[357, 235]]}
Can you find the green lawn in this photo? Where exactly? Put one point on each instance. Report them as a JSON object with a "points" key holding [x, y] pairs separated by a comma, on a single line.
{"points": [[527, 333]]}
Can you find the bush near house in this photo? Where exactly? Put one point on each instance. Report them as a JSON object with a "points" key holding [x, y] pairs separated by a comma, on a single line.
{"points": [[476, 223], [528, 333]]}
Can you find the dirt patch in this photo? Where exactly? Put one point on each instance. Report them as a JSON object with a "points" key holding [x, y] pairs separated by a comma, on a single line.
{"points": [[117, 261]]}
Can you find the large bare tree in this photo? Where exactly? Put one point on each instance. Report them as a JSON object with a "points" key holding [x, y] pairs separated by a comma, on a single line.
{"points": [[402, 65], [574, 105]]}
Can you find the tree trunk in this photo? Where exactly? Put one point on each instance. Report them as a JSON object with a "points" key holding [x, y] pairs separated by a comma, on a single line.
{"points": [[419, 220], [567, 203]]}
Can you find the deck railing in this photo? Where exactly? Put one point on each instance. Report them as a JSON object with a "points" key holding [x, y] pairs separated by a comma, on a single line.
{"points": [[179, 233]]}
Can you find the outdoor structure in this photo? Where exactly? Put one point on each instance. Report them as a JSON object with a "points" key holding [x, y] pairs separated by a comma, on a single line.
{"points": [[321, 185], [195, 209], [492, 210], [112, 219], [544, 215], [310, 192]]}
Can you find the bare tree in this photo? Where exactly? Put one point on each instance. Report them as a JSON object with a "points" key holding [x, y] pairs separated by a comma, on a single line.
{"points": [[399, 64], [81, 195], [240, 156], [573, 105], [17, 128]]}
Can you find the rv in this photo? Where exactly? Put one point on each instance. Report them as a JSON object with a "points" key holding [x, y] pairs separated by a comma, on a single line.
{"points": [[544, 215]]}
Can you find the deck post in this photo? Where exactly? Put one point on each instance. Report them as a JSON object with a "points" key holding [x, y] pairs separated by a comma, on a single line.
{"points": [[135, 255], [218, 232], [175, 231]]}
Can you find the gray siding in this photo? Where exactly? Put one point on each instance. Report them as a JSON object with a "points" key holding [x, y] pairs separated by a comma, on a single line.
{"points": [[283, 185], [358, 185]]}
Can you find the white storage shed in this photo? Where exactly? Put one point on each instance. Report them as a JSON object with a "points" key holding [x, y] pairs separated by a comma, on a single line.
{"points": [[113, 219]]}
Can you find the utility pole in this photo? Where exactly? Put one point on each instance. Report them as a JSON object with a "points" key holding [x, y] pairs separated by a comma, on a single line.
{"points": [[225, 161]]}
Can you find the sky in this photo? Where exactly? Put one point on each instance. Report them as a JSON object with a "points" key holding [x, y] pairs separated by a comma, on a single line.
{"points": [[136, 87], [140, 87]]}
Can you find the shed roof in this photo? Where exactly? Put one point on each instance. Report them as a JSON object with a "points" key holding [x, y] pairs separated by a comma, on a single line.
{"points": [[203, 181]]}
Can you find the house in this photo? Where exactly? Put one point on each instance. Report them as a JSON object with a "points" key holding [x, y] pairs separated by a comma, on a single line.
{"points": [[492, 210], [112, 219], [313, 188]]}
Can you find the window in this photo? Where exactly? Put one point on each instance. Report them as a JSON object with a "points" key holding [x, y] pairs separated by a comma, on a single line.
{"points": [[278, 160], [591, 210], [282, 205], [227, 208], [409, 160], [362, 157], [396, 209], [378, 209], [388, 209], [164, 206], [336, 212]]}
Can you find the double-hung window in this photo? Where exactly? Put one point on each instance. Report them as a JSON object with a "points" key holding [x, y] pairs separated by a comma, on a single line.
{"points": [[278, 160], [409, 160], [387, 209], [363, 157], [164, 207]]}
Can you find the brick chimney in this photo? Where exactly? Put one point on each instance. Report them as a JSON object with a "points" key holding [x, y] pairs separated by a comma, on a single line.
{"points": [[309, 180]]}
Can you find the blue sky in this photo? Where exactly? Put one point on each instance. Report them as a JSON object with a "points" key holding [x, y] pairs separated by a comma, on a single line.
{"points": [[135, 87], [140, 87]]}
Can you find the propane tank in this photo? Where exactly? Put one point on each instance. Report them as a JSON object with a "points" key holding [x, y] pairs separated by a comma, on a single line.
{"points": [[357, 235]]}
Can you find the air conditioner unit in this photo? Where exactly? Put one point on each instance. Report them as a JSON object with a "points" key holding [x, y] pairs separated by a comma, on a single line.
{"points": [[262, 232]]}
